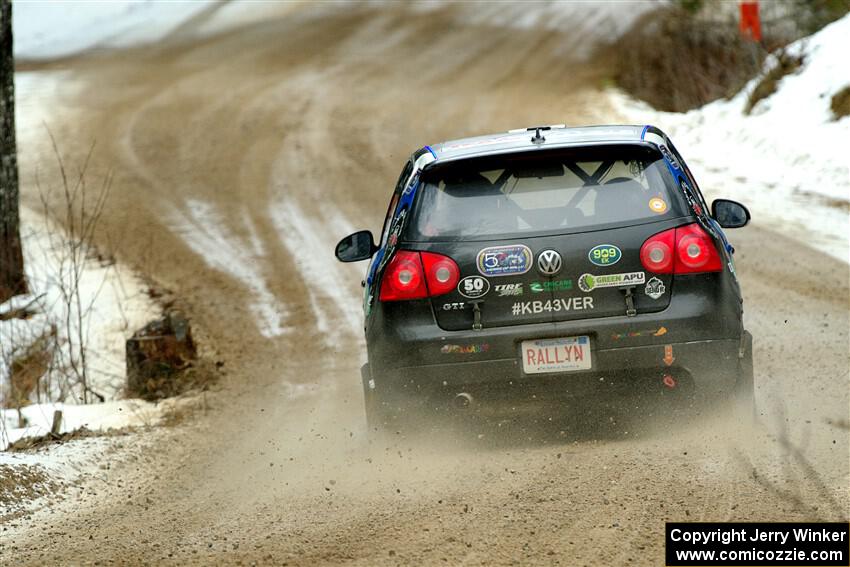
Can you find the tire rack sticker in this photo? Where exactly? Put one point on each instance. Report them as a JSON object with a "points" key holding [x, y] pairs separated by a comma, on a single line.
{"points": [[508, 289]]}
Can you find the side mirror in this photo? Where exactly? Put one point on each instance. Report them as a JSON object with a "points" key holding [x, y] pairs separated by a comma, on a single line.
{"points": [[356, 247], [729, 214]]}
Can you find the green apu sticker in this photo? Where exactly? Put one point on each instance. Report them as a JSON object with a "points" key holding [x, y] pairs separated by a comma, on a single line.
{"points": [[588, 282]]}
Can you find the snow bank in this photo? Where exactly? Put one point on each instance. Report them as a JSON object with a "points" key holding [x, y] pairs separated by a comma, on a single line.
{"points": [[609, 19], [47, 29], [788, 161], [94, 417], [113, 303]]}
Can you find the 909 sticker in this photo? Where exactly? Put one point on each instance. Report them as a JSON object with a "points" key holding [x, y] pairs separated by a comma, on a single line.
{"points": [[504, 260], [604, 255]]}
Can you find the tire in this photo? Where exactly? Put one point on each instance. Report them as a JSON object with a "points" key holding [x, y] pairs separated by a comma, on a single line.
{"points": [[743, 396]]}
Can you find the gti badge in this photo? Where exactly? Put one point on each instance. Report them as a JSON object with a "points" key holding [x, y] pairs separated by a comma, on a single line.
{"points": [[549, 263]]}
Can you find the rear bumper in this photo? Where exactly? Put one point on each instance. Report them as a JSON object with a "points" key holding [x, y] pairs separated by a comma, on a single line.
{"points": [[707, 368]]}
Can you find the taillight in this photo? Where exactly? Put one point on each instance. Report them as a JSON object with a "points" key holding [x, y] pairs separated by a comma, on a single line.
{"points": [[441, 273], [656, 254], [695, 251], [416, 275], [684, 250], [404, 278]]}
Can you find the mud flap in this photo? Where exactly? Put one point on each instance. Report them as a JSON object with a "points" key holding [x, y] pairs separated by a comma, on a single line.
{"points": [[743, 398], [373, 420]]}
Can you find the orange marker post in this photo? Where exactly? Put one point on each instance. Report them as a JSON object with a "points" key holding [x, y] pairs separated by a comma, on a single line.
{"points": [[750, 24]]}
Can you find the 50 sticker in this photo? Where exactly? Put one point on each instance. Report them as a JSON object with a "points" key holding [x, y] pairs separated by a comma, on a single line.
{"points": [[504, 260], [473, 286], [604, 255]]}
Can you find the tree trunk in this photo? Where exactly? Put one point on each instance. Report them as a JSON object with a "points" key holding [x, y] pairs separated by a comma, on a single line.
{"points": [[12, 280]]}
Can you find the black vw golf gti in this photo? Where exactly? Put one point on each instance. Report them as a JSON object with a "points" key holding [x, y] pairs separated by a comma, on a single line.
{"points": [[551, 263]]}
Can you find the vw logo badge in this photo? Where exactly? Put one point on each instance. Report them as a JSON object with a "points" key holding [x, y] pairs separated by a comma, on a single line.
{"points": [[549, 263]]}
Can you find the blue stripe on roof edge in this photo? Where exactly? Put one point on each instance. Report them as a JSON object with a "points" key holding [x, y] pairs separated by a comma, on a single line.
{"points": [[643, 133], [432, 151]]}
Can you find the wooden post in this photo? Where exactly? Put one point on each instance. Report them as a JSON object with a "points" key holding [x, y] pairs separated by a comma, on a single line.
{"points": [[56, 427], [12, 281]]}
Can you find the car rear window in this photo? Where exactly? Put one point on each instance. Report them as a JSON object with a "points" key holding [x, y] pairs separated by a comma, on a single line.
{"points": [[544, 192]]}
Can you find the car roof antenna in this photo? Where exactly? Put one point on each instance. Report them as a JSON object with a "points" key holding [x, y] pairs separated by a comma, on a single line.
{"points": [[538, 138]]}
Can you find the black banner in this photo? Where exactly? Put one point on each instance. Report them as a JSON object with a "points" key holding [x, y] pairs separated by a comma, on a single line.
{"points": [[745, 544]]}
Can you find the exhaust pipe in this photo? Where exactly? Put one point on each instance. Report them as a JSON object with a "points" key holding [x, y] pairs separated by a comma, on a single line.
{"points": [[463, 400]]}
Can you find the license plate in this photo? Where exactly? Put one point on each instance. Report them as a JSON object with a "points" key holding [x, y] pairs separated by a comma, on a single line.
{"points": [[556, 355]]}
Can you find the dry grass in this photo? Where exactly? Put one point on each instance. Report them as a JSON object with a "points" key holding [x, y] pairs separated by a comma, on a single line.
{"points": [[25, 444], [27, 367], [676, 61], [840, 104], [182, 411], [171, 381], [786, 65]]}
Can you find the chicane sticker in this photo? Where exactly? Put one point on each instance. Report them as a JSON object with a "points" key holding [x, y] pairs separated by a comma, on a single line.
{"points": [[508, 289], [464, 349], [654, 288], [588, 282], [657, 205], [473, 286], [552, 305], [555, 285], [504, 260], [604, 255]]}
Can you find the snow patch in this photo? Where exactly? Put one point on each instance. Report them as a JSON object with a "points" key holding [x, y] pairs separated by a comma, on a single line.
{"points": [[205, 230], [48, 29], [94, 417], [332, 300], [788, 160], [112, 305]]}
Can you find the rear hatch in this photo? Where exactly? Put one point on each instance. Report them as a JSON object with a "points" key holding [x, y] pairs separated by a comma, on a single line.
{"points": [[548, 235]]}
